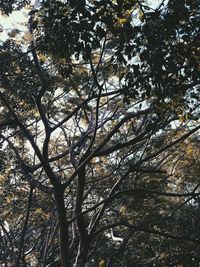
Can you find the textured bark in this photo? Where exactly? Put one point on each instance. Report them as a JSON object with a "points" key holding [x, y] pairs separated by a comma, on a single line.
{"points": [[63, 228], [23, 233], [82, 227]]}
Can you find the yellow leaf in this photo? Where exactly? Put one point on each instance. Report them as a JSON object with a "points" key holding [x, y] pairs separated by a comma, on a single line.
{"points": [[38, 211], [163, 255], [122, 210], [28, 37], [141, 15], [181, 119], [37, 114], [128, 12], [102, 263], [42, 57], [121, 21], [82, 69], [95, 58], [189, 150]]}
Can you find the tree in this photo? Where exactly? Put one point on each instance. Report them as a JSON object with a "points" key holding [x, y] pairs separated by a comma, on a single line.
{"points": [[105, 93]]}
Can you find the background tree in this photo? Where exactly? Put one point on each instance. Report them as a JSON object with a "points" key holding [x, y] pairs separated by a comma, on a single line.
{"points": [[95, 118]]}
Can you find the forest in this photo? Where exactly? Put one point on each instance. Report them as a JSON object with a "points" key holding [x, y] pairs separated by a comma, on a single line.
{"points": [[100, 133]]}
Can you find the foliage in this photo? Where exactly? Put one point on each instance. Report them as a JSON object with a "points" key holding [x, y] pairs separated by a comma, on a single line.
{"points": [[7, 7], [99, 135]]}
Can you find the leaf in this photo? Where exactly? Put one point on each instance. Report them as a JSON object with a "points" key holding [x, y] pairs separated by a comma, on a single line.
{"points": [[121, 21], [42, 58], [181, 118], [122, 210], [141, 15], [28, 37], [13, 33], [189, 150], [102, 263]]}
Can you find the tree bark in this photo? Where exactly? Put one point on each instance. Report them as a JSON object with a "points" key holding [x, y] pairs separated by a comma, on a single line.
{"points": [[23, 233], [63, 228], [82, 227]]}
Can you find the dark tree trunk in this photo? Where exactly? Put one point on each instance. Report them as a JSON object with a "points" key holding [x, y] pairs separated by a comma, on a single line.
{"points": [[63, 228], [23, 233], [82, 227], [83, 253]]}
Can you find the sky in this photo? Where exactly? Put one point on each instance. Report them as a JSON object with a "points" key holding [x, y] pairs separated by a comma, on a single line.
{"points": [[16, 20]]}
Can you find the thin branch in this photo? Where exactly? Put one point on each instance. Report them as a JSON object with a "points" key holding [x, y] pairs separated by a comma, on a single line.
{"points": [[104, 142], [25, 169], [119, 194], [54, 180]]}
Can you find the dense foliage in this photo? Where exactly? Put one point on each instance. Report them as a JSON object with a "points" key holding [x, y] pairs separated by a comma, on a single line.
{"points": [[100, 134]]}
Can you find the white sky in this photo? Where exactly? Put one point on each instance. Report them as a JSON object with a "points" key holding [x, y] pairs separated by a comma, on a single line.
{"points": [[15, 21]]}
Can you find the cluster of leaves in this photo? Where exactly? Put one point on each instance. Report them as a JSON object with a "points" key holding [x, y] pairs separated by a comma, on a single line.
{"points": [[7, 7], [93, 126], [81, 26], [165, 43]]}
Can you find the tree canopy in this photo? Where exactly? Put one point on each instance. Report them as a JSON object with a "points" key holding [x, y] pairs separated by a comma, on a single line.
{"points": [[99, 135]]}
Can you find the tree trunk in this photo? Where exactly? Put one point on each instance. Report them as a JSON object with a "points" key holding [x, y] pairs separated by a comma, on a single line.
{"points": [[63, 228], [83, 253], [82, 227], [23, 233]]}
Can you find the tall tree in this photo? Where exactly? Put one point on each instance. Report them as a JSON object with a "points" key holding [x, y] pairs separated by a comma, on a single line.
{"points": [[91, 113]]}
